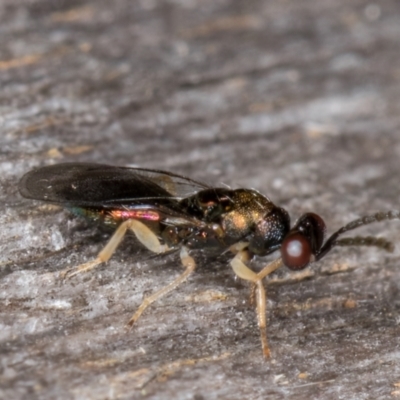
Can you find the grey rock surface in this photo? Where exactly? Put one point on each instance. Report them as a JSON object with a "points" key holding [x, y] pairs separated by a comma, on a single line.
{"points": [[297, 99]]}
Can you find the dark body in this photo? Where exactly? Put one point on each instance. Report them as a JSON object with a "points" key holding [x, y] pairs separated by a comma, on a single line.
{"points": [[167, 211], [185, 212], [179, 210]]}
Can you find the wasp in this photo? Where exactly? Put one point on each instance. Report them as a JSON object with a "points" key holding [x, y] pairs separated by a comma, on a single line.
{"points": [[167, 212]]}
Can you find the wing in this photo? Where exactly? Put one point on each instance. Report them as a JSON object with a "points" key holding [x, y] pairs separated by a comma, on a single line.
{"points": [[97, 185]]}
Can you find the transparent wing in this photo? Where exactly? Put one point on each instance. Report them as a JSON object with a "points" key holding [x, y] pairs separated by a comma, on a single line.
{"points": [[97, 185]]}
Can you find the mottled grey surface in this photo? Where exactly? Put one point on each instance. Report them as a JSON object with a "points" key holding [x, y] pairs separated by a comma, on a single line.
{"points": [[298, 99]]}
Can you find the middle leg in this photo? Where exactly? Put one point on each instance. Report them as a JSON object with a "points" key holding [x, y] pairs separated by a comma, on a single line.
{"points": [[190, 265]]}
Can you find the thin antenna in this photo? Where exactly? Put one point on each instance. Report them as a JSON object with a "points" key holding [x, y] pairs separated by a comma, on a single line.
{"points": [[368, 219], [369, 241]]}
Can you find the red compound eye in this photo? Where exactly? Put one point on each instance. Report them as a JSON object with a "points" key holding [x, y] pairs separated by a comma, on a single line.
{"points": [[296, 251]]}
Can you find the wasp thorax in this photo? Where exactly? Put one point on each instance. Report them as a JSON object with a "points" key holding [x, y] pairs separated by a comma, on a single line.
{"points": [[270, 232]]}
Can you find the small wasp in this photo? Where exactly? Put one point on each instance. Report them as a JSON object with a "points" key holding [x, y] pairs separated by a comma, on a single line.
{"points": [[167, 211]]}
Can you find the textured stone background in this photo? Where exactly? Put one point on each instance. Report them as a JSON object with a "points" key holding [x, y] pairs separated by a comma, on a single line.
{"points": [[298, 99]]}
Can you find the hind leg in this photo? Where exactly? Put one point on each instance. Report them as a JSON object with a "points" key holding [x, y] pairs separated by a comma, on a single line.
{"points": [[144, 234]]}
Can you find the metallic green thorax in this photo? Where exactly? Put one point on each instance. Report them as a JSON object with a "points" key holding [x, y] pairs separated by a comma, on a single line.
{"points": [[243, 215]]}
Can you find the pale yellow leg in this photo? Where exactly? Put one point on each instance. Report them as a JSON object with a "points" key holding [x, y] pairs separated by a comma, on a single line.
{"points": [[187, 262], [244, 272], [262, 319], [144, 234], [239, 246], [271, 267]]}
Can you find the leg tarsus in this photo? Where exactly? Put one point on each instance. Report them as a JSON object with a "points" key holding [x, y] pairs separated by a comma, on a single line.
{"points": [[70, 272]]}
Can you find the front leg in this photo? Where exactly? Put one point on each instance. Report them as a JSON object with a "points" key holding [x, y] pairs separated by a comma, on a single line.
{"points": [[244, 272]]}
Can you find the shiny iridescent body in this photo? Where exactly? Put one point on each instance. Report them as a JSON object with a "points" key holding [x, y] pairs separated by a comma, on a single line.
{"points": [[168, 211]]}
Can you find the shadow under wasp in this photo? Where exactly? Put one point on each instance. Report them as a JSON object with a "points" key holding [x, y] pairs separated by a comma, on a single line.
{"points": [[167, 211]]}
